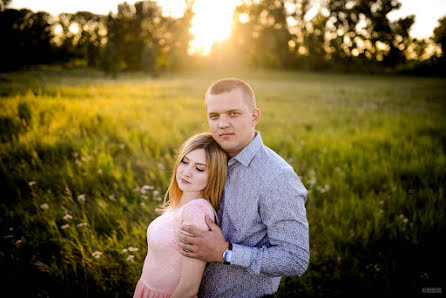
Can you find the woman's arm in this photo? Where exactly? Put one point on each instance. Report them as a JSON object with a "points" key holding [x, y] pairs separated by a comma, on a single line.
{"points": [[190, 279]]}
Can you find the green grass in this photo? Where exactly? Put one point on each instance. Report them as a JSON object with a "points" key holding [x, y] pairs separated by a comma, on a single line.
{"points": [[370, 150]]}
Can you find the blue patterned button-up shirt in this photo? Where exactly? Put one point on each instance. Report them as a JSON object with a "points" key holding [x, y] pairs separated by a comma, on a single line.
{"points": [[263, 214]]}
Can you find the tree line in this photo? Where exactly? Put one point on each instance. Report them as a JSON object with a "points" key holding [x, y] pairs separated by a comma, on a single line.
{"points": [[341, 34]]}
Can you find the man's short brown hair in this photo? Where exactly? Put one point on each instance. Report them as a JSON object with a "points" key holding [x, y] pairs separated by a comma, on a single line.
{"points": [[227, 85]]}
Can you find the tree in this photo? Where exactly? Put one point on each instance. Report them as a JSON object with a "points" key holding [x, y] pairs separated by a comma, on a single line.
{"points": [[144, 39], [4, 4], [440, 35], [263, 39], [27, 38]]}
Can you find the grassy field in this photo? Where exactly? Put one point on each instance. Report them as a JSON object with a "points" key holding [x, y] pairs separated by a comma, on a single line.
{"points": [[84, 161]]}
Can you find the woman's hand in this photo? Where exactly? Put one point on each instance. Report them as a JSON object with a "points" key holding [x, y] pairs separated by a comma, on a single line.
{"points": [[207, 246]]}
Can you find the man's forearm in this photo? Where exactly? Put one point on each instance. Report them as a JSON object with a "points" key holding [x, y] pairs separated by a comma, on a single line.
{"points": [[273, 261]]}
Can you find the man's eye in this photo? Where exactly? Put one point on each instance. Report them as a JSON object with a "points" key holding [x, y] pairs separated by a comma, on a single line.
{"points": [[213, 117], [234, 114]]}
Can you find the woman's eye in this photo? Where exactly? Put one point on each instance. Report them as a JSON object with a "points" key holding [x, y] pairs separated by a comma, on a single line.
{"points": [[200, 170], [183, 161]]}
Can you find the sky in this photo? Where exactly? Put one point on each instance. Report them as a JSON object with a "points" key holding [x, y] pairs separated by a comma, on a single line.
{"points": [[213, 18]]}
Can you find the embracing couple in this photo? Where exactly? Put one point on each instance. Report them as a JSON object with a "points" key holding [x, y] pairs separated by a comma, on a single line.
{"points": [[235, 221]]}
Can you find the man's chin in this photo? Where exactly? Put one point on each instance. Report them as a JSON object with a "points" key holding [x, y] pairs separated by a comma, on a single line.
{"points": [[225, 146]]}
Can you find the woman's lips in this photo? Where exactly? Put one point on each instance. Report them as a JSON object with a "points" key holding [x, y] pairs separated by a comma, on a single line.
{"points": [[184, 181]]}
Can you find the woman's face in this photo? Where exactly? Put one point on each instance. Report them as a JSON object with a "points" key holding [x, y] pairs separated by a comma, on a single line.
{"points": [[192, 175]]}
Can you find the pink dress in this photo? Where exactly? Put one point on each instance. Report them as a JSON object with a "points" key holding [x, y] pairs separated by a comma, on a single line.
{"points": [[162, 265]]}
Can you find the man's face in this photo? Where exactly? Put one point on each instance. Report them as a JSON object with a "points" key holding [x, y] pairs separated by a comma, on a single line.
{"points": [[231, 121]]}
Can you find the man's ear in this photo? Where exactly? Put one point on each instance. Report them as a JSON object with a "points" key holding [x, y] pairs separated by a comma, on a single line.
{"points": [[255, 116]]}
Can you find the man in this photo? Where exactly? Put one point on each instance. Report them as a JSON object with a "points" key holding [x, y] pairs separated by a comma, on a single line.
{"points": [[264, 229]]}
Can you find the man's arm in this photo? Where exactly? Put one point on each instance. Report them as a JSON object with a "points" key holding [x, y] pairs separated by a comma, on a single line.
{"points": [[282, 209]]}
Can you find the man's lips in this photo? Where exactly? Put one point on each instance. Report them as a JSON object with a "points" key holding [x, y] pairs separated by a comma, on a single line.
{"points": [[226, 134]]}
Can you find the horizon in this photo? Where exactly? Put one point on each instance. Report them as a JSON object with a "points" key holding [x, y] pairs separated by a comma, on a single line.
{"points": [[213, 18]]}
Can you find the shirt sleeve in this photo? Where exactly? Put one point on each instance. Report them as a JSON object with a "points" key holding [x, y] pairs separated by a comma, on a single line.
{"points": [[282, 210], [195, 212]]}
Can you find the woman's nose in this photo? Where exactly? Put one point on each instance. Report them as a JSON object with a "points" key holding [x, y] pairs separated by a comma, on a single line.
{"points": [[187, 171]]}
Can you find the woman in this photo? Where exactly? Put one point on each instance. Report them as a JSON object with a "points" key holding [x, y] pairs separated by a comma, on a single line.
{"points": [[195, 190]]}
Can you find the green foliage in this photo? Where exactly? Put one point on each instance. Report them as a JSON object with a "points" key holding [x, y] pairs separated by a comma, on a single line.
{"points": [[24, 113], [440, 35], [81, 185], [26, 38]]}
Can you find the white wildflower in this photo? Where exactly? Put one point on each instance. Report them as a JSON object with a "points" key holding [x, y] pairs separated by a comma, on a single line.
{"points": [[312, 181], [44, 206], [146, 187], [18, 242], [142, 190], [130, 258], [66, 226], [31, 183], [11, 229], [159, 199], [97, 254], [122, 146], [144, 197], [381, 202], [77, 162], [81, 198], [99, 171], [323, 189], [156, 193], [132, 248], [82, 224], [67, 216], [8, 236], [125, 250], [142, 204], [111, 197], [83, 158]]}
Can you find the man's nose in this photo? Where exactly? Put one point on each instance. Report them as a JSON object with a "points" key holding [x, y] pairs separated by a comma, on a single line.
{"points": [[224, 122]]}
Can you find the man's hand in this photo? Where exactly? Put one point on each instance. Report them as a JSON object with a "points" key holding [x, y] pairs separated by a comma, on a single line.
{"points": [[207, 246]]}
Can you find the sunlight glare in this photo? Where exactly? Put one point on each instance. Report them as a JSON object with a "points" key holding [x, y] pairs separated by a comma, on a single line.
{"points": [[211, 23], [244, 18], [58, 29], [74, 28]]}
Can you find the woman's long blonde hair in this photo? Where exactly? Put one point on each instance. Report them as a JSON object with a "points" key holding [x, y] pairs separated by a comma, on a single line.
{"points": [[216, 167]]}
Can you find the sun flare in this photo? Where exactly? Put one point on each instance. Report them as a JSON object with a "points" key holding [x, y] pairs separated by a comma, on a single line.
{"points": [[211, 23]]}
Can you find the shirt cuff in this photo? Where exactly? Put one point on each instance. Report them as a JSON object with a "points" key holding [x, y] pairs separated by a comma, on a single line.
{"points": [[241, 255]]}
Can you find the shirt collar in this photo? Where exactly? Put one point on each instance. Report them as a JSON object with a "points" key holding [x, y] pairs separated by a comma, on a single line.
{"points": [[247, 154]]}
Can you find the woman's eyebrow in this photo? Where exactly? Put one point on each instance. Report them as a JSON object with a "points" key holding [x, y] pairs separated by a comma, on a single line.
{"points": [[193, 161]]}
